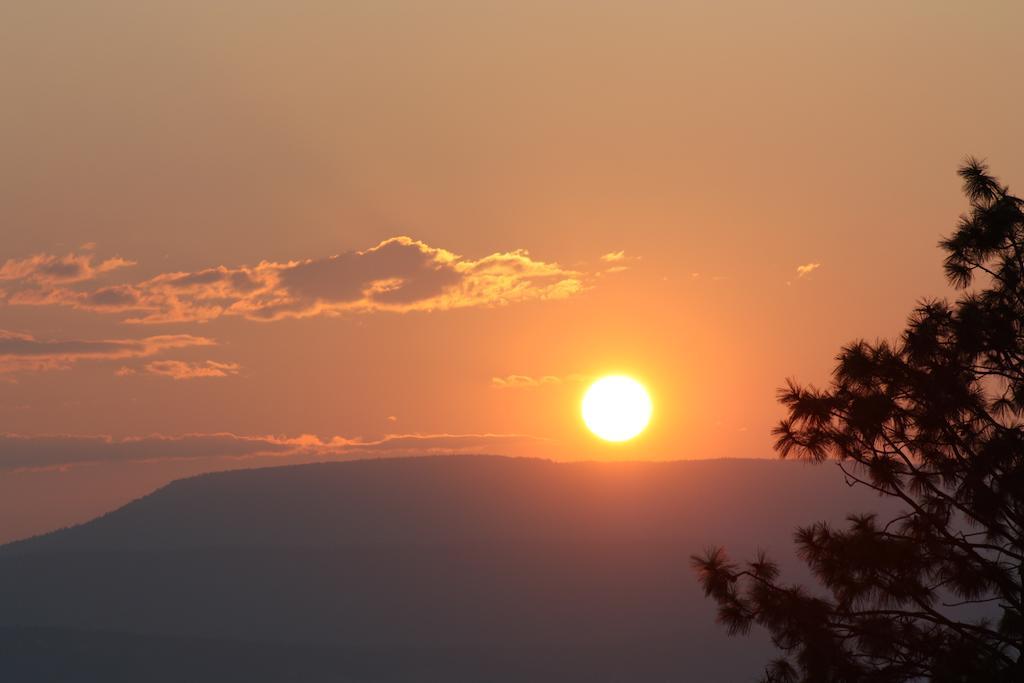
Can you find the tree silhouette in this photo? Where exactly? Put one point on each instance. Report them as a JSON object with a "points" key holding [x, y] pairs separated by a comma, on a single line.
{"points": [[933, 420]]}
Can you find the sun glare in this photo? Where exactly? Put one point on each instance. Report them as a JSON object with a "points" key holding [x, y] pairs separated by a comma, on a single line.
{"points": [[616, 408]]}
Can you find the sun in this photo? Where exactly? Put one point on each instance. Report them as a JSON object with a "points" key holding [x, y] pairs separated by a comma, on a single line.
{"points": [[616, 408]]}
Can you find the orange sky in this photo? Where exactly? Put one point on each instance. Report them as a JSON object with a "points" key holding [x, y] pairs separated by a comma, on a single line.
{"points": [[200, 202]]}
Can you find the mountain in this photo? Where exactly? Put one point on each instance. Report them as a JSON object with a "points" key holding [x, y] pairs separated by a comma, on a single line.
{"points": [[436, 568]]}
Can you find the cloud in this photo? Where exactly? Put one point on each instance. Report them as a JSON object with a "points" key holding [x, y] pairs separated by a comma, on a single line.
{"points": [[24, 452], [179, 369], [613, 256], [617, 261], [49, 269], [46, 452], [431, 444], [807, 269], [399, 275], [23, 352], [528, 382]]}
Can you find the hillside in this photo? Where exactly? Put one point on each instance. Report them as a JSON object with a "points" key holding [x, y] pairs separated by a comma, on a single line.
{"points": [[471, 567]]}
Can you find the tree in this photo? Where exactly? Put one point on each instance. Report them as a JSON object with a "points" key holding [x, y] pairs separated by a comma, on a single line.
{"points": [[933, 420]]}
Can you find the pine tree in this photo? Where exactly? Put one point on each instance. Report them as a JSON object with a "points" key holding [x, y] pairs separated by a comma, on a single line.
{"points": [[933, 420]]}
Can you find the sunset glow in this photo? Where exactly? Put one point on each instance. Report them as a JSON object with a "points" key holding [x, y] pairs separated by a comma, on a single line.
{"points": [[492, 341], [616, 408]]}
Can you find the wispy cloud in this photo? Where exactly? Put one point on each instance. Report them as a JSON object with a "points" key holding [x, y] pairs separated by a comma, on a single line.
{"points": [[23, 352], [22, 452], [399, 274], [528, 382], [432, 444], [614, 256], [807, 269], [179, 369], [617, 261], [63, 451], [50, 269]]}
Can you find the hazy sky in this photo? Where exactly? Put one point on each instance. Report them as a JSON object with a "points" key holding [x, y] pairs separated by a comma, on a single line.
{"points": [[202, 204]]}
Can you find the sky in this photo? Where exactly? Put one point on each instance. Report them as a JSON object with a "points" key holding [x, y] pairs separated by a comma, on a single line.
{"points": [[249, 233]]}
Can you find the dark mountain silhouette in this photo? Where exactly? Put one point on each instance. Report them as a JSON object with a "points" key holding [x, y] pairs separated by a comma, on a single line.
{"points": [[45, 655], [440, 568]]}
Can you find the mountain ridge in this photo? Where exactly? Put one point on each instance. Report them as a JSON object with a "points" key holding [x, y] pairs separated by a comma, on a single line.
{"points": [[580, 570]]}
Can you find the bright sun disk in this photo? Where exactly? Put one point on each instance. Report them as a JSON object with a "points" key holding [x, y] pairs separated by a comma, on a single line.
{"points": [[616, 408]]}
